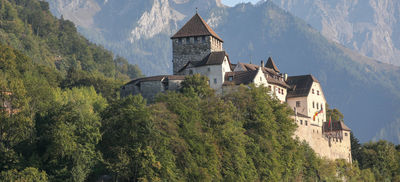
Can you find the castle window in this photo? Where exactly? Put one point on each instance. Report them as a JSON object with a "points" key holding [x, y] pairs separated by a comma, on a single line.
{"points": [[215, 81], [312, 91], [298, 104], [313, 104], [306, 122], [345, 134], [230, 78], [301, 122], [317, 106], [317, 92]]}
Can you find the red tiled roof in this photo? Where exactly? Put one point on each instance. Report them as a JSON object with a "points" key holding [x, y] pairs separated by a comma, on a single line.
{"points": [[336, 126], [196, 26]]}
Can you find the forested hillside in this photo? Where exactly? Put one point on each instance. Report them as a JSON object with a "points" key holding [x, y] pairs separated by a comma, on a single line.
{"points": [[64, 121], [29, 27]]}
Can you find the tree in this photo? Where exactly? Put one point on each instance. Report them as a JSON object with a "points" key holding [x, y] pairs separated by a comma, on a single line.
{"points": [[196, 85], [28, 174], [69, 133]]}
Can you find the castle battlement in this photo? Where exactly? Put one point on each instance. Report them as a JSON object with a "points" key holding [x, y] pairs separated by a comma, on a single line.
{"points": [[197, 49]]}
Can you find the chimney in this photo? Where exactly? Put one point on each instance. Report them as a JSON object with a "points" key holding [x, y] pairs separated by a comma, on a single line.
{"points": [[262, 64]]}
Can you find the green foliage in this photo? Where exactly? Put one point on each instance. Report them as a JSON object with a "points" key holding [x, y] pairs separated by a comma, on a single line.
{"points": [[196, 85], [69, 133], [334, 114], [27, 175], [382, 159]]}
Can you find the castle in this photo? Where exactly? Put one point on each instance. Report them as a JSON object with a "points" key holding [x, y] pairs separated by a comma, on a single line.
{"points": [[197, 49]]}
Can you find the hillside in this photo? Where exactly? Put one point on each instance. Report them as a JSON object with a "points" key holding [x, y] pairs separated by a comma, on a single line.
{"points": [[29, 27], [67, 123], [365, 90]]}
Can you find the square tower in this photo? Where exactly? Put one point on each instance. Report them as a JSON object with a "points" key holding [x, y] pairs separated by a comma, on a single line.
{"points": [[194, 41]]}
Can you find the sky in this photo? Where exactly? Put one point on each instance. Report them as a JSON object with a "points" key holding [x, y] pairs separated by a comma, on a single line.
{"points": [[234, 2]]}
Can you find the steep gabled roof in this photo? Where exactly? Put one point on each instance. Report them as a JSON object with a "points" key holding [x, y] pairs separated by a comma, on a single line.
{"points": [[196, 26], [300, 85], [271, 64], [240, 77]]}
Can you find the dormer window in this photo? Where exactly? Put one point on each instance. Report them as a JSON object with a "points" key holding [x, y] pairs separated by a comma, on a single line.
{"points": [[230, 78]]}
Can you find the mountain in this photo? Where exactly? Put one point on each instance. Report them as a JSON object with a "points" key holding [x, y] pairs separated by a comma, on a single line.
{"points": [[371, 27], [365, 90]]}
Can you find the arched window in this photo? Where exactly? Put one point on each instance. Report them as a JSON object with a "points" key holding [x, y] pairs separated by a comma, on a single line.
{"points": [[313, 104]]}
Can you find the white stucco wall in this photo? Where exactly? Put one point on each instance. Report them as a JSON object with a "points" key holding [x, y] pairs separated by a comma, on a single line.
{"points": [[318, 100], [215, 73], [303, 109]]}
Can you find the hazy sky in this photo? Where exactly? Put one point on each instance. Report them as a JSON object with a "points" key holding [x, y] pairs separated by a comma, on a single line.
{"points": [[233, 2]]}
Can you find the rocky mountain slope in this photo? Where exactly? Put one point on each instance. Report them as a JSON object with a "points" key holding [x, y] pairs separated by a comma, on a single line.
{"points": [[371, 27], [366, 91]]}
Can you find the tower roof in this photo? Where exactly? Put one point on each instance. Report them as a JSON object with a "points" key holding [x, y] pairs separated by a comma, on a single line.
{"points": [[271, 64], [196, 26]]}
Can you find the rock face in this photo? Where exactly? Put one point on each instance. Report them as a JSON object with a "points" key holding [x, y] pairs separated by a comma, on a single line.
{"points": [[371, 27]]}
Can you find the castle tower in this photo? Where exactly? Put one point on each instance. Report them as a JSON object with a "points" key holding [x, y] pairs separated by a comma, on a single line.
{"points": [[194, 41]]}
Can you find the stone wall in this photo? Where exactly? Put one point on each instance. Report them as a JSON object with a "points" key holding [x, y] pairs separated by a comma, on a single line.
{"points": [[192, 49], [330, 148], [150, 89]]}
